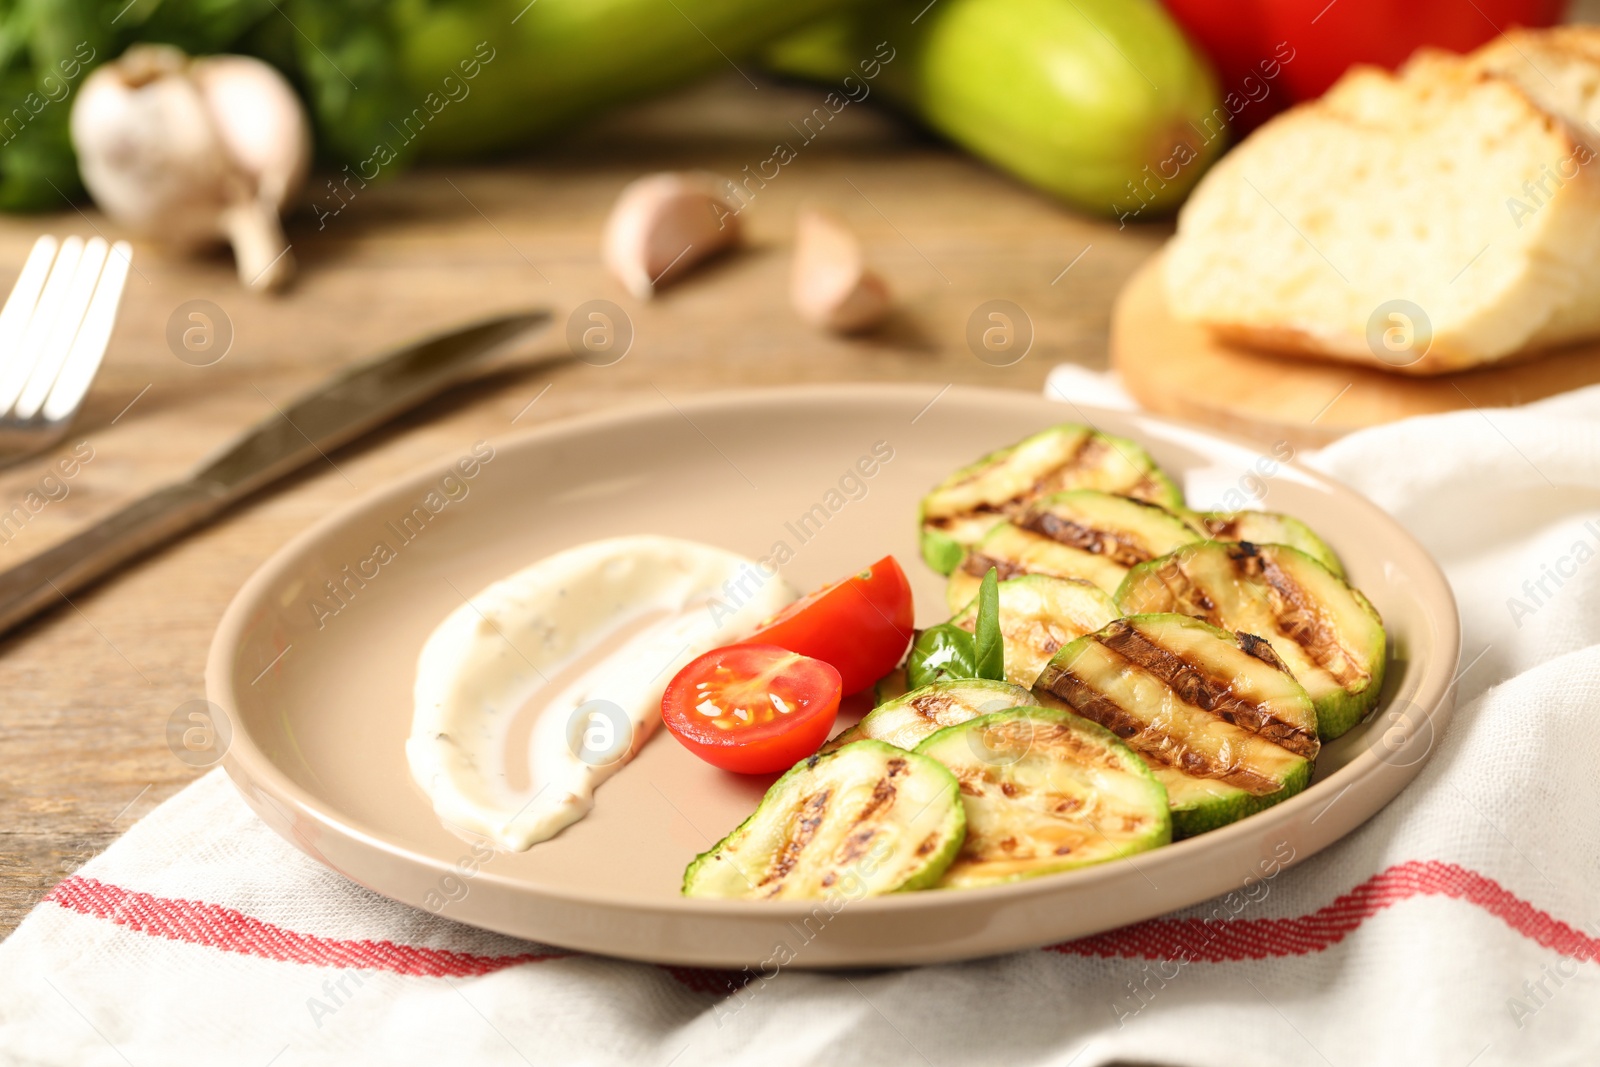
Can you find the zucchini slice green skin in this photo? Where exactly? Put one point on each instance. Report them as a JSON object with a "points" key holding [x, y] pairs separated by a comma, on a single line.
{"points": [[1201, 804], [1265, 528], [1039, 614], [908, 720], [970, 502], [843, 738], [891, 685], [1219, 720], [1327, 633], [1046, 791], [1087, 534], [864, 820]]}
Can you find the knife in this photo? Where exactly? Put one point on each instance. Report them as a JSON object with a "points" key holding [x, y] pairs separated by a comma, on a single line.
{"points": [[342, 409]]}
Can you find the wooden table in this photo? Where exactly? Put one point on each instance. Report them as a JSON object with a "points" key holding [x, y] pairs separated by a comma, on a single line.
{"points": [[89, 688]]}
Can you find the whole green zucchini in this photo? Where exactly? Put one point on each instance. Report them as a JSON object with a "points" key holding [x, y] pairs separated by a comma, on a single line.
{"points": [[563, 60], [1100, 102]]}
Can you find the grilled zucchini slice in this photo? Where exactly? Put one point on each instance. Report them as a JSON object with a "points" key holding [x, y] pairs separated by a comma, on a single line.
{"points": [[1328, 634], [966, 505], [1014, 552], [844, 737], [1046, 791], [1220, 721], [891, 685], [864, 820], [1084, 533], [908, 720], [1039, 614], [1265, 528]]}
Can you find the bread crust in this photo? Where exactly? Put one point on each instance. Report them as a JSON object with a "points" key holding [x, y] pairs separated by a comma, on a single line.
{"points": [[1301, 344]]}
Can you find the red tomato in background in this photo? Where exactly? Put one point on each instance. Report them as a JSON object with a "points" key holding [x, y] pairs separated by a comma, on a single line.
{"points": [[1313, 42], [861, 624], [752, 709]]}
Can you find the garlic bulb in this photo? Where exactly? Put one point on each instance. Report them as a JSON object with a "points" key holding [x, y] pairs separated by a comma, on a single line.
{"points": [[195, 151]]}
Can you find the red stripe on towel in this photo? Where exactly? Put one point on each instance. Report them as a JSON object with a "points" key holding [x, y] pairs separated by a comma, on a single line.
{"points": [[1226, 940], [1199, 940], [198, 923]]}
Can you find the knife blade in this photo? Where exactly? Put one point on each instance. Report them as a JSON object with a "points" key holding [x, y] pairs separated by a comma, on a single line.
{"points": [[337, 412]]}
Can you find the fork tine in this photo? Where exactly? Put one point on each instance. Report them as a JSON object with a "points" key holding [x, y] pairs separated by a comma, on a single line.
{"points": [[68, 320], [89, 347], [16, 366], [25, 294]]}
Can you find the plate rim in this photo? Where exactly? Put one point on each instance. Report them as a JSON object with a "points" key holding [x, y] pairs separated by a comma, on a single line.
{"points": [[245, 762]]}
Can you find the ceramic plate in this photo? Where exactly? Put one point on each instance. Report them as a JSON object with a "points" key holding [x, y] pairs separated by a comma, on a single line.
{"points": [[313, 665]]}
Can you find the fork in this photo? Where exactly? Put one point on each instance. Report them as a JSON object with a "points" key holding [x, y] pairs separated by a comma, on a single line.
{"points": [[54, 328]]}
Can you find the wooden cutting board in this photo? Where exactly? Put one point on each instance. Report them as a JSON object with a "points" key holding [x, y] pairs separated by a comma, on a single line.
{"points": [[1178, 369]]}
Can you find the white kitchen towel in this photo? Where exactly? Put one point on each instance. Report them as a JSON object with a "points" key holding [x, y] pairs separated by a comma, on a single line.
{"points": [[1459, 927]]}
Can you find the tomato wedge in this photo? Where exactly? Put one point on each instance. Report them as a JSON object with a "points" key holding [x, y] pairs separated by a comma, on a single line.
{"points": [[752, 708], [861, 624]]}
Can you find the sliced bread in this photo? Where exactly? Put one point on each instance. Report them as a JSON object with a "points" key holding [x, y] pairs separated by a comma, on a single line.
{"points": [[1559, 69], [1411, 222]]}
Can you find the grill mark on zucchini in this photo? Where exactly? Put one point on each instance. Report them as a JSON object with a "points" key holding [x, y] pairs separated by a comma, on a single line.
{"points": [[810, 817], [1091, 450], [1186, 593], [1088, 702], [934, 708], [1205, 691], [945, 522], [1146, 489], [1262, 649], [807, 820], [855, 846], [1296, 616], [1055, 736], [977, 564], [1105, 543], [882, 793]]}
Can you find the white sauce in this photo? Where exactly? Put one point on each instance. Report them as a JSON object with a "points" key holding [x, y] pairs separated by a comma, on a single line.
{"points": [[621, 617]]}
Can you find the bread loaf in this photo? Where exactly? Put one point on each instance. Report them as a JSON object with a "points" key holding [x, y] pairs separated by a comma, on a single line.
{"points": [[1424, 222]]}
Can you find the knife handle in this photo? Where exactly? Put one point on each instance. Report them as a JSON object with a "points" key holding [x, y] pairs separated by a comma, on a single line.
{"points": [[53, 575]]}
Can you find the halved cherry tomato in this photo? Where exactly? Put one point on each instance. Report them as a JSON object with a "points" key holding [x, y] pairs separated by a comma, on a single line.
{"points": [[752, 708], [860, 624]]}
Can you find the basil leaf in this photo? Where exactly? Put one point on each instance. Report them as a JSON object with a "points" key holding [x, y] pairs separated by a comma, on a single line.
{"points": [[989, 660], [939, 654]]}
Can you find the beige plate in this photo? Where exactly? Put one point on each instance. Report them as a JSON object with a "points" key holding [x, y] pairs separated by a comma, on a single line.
{"points": [[320, 713]]}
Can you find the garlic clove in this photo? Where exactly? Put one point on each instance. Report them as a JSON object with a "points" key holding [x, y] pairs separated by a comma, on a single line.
{"points": [[831, 286], [191, 152], [664, 224]]}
